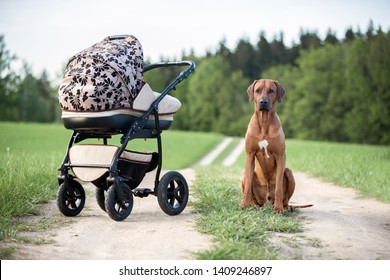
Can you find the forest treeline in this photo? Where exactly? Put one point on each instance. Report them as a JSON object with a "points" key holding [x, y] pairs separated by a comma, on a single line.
{"points": [[336, 89]]}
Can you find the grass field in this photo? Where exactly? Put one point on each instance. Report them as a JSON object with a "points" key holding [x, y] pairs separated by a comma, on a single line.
{"points": [[44, 139], [363, 167]]}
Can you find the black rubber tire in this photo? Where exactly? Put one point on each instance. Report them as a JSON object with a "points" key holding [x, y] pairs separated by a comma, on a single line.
{"points": [[113, 206], [172, 193], [100, 198], [71, 199]]}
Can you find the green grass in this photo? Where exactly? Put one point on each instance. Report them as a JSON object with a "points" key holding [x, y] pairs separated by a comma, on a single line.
{"points": [[41, 139], [239, 234], [25, 181], [363, 167], [30, 155]]}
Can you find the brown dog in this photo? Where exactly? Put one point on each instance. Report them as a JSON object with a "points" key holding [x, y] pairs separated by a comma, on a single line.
{"points": [[265, 177]]}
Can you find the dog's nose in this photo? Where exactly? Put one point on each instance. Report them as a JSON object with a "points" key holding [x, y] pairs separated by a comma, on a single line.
{"points": [[263, 102]]}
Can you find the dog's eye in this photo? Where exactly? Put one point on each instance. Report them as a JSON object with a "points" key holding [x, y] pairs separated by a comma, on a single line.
{"points": [[270, 91], [258, 90]]}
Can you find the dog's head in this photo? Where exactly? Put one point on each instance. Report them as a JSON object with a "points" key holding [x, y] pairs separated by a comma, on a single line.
{"points": [[265, 93]]}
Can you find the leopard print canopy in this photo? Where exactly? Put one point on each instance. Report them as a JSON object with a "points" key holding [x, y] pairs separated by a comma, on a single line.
{"points": [[105, 76]]}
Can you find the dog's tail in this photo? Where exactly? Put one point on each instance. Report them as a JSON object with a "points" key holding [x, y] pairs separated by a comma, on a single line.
{"points": [[302, 206], [291, 208]]}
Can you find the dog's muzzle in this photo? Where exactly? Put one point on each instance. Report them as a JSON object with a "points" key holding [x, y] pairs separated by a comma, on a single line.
{"points": [[264, 104]]}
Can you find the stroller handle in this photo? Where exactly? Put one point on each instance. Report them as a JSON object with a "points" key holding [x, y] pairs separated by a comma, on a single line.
{"points": [[182, 76], [189, 63]]}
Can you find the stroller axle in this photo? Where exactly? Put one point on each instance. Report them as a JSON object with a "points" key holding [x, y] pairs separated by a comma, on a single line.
{"points": [[143, 192]]}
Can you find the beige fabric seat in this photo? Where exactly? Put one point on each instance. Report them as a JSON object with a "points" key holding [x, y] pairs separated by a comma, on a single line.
{"points": [[168, 106]]}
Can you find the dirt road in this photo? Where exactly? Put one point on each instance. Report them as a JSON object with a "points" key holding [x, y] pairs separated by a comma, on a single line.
{"points": [[341, 225], [147, 234]]}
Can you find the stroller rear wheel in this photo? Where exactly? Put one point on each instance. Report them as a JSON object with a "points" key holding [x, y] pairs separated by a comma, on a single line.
{"points": [[116, 209], [172, 193], [100, 198], [70, 198]]}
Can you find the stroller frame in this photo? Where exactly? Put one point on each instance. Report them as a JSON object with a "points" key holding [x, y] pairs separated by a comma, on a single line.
{"points": [[119, 199]]}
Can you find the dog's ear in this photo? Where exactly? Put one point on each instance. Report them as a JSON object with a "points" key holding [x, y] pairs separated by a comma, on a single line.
{"points": [[250, 90], [281, 91]]}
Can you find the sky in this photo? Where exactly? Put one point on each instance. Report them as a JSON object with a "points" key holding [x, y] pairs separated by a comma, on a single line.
{"points": [[46, 33]]}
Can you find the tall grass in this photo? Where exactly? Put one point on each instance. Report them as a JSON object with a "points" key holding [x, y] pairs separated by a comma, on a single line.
{"points": [[30, 155], [26, 180], [363, 167], [29, 158]]}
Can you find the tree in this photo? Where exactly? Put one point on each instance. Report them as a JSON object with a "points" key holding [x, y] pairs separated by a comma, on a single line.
{"points": [[223, 50], [264, 57], [278, 50], [218, 100], [38, 100], [9, 100], [331, 38], [349, 35], [338, 92], [244, 59], [368, 88], [309, 40], [313, 111]]}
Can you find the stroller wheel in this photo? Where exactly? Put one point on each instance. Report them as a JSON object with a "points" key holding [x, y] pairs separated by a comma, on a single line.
{"points": [[172, 193], [100, 198], [71, 198], [116, 209]]}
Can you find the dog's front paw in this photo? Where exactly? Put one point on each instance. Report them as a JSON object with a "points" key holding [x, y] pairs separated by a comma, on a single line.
{"points": [[278, 209], [245, 205]]}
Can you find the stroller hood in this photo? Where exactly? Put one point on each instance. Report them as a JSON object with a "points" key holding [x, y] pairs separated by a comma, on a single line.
{"points": [[105, 76]]}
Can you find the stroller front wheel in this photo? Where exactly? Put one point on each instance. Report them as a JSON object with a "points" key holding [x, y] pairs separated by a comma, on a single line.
{"points": [[172, 193], [70, 198], [116, 209]]}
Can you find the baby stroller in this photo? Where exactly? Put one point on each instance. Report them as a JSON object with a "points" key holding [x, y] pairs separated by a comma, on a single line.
{"points": [[103, 94]]}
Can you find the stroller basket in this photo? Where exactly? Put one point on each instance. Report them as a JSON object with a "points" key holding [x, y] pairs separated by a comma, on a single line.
{"points": [[132, 165]]}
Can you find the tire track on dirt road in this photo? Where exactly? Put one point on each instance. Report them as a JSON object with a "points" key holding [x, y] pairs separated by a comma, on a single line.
{"points": [[235, 153], [211, 156]]}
